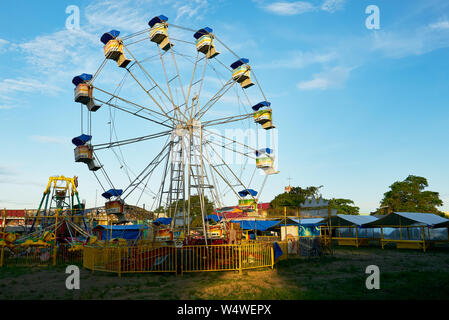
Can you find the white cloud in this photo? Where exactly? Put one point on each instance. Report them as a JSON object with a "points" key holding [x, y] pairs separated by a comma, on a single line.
{"points": [[6, 107], [21, 85], [332, 5], [301, 7], [300, 59], [334, 78], [440, 25], [290, 8], [191, 9], [50, 139], [4, 44], [412, 42]]}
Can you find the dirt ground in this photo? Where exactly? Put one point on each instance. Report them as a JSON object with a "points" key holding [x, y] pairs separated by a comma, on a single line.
{"points": [[404, 274]]}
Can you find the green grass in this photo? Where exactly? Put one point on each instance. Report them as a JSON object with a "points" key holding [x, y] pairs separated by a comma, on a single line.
{"points": [[405, 274]]}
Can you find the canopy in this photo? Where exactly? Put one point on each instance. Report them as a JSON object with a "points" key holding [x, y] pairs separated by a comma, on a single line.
{"points": [[238, 63], [108, 36], [131, 232], [164, 221], [81, 140], [261, 105], [260, 225], [263, 151], [214, 217], [202, 32], [81, 79], [308, 221], [112, 193], [158, 19], [246, 192], [351, 220], [409, 218]]}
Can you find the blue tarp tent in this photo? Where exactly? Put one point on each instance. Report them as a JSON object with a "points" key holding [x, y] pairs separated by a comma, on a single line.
{"points": [[256, 225], [164, 221], [213, 217], [132, 232]]}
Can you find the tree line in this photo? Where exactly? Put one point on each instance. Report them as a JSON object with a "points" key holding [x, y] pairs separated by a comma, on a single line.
{"points": [[408, 195]]}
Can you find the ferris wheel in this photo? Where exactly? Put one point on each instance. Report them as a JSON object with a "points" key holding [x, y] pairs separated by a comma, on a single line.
{"points": [[178, 115]]}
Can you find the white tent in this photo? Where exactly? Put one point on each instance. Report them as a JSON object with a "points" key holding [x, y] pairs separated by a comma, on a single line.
{"points": [[409, 219]]}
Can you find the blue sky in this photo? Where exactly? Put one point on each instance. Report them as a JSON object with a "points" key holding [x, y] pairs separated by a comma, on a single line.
{"points": [[356, 109]]}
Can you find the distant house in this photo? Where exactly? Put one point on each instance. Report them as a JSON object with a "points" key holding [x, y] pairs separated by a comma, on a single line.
{"points": [[313, 208]]}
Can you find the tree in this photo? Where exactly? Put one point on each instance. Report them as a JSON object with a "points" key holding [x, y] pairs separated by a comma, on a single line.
{"points": [[409, 196], [344, 206], [295, 197]]}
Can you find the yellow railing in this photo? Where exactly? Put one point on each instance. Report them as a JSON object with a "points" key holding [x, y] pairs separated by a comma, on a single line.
{"points": [[27, 256], [149, 258]]}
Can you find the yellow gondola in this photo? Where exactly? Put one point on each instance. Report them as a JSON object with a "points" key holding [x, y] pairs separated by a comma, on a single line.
{"points": [[205, 42], [241, 73], [159, 32], [113, 48], [263, 115]]}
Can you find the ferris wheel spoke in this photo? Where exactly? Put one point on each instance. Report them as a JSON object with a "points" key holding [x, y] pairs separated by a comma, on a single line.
{"points": [[232, 173], [228, 85], [135, 105], [229, 119], [129, 141], [221, 175], [147, 171], [152, 80], [232, 140], [175, 107]]}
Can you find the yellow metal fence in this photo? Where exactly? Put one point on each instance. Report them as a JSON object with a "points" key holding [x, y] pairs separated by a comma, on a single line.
{"points": [[148, 258]]}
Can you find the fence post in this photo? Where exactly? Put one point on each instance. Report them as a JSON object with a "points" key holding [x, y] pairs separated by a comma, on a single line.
{"points": [[55, 249], [272, 257], [2, 256], [240, 259], [119, 261]]}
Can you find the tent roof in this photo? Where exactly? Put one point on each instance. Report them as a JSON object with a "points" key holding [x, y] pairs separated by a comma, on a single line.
{"points": [[409, 218], [350, 220], [164, 221], [308, 221], [256, 225]]}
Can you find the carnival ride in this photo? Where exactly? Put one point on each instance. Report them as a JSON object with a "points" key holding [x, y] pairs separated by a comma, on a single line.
{"points": [[170, 77], [58, 224]]}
